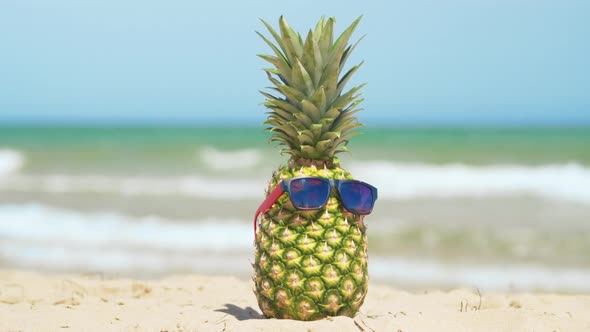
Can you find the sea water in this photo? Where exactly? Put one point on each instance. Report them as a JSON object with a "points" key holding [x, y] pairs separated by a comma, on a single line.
{"points": [[488, 208]]}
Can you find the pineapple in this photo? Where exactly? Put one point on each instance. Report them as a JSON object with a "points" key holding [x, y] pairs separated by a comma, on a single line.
{"points": [[310, 264]]}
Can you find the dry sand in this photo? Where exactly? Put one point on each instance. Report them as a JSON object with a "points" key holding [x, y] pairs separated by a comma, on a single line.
{"points": [[41, 302]]}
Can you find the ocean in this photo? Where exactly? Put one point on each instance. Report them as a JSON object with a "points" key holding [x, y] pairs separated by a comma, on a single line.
{"points": [[498, 209]]}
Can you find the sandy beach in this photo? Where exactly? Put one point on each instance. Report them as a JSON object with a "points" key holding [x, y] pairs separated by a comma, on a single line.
{"points": [[32, 301]]}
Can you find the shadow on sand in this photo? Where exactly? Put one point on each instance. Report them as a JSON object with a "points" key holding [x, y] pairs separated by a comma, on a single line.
{"points": [[241, 313]]}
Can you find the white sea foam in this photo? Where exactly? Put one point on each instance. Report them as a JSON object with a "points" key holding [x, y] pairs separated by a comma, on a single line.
{"points": [[192, 186], [41, 224], [230, 159], [10, 161], [395, 181], [486, 277], [570, 182], [38, 236]]}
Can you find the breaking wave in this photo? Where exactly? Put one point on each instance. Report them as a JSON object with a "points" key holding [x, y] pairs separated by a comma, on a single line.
{"points": [[569, 182], [37, 236], [396, 181], [42, 224], [229, 160], [10, 161], [192, 186]]}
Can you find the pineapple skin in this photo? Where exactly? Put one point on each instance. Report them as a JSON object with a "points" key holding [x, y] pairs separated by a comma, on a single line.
{"points": [[310, 264]]}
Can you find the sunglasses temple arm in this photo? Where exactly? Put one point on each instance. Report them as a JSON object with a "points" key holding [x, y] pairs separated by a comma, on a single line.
{"points": [[267, 204]]}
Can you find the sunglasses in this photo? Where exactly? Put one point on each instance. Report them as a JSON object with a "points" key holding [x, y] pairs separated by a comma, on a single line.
{"points": [[311, 193]]}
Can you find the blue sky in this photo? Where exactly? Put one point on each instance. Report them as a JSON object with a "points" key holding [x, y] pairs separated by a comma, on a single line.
{"points": [[193, 62]]}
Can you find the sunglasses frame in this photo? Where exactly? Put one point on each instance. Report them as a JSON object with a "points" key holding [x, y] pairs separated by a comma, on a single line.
{"points": [[284, 187], [333, 183]]}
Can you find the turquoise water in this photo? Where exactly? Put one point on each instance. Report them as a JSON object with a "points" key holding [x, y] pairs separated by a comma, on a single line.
{"points": [[166, 149], [146, 201]]}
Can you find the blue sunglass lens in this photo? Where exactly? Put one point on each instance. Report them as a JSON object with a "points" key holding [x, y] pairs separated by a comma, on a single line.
{"points": [[309, 193], [357, 197]]}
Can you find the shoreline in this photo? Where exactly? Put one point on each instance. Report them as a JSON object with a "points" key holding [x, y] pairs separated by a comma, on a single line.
{"points": [[33, 301]]}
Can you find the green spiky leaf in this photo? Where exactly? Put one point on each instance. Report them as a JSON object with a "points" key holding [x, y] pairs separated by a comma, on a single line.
{"points": [[310, 115]]}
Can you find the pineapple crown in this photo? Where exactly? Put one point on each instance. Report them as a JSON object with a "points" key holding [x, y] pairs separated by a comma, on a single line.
{"points": [[311, 116]]}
